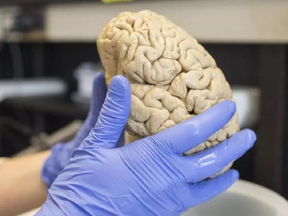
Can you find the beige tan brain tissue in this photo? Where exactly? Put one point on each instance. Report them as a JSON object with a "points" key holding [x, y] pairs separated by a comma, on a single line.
{"points": [[172, 76]]}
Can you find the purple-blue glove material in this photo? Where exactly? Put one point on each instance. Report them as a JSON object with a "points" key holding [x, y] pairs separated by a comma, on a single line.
{"points": [[61, 153], [149, 176]]}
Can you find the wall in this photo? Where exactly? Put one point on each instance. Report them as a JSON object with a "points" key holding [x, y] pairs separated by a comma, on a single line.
{"points": [[245, 21], [210, 21]]}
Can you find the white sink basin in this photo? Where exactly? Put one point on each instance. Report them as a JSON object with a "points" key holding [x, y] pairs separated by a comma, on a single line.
{"points": [[243, 199]]}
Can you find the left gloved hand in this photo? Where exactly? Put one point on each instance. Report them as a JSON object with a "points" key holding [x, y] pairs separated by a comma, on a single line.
{"points": [[61, 153], [149, 176]]}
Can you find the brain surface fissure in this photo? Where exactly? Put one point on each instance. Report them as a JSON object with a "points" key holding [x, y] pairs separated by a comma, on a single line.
{"points": [[172, 76]]}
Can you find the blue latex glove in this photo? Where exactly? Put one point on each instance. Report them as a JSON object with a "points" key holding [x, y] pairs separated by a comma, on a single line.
{"points": [[149, 176], [61, 153]]}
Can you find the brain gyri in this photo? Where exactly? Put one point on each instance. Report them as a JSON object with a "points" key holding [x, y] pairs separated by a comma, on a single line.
{"points": [[172, 76]]}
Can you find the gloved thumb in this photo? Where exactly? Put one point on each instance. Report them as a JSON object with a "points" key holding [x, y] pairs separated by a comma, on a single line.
{"points": [[113, 115]]}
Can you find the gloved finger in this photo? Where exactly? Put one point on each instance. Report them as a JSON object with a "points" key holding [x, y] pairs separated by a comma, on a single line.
{"points": [[206, 190], [121, 140], [97, 99], [113, 115], [211, 161], [98, 93], [190, 133]]}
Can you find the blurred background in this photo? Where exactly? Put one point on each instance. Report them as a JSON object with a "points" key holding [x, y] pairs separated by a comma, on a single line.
{"points": [[48, 57]]}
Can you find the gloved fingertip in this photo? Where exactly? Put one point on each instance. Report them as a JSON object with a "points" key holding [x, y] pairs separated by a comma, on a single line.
{"points": [[119, 83], [251, 136], [228, 106], [234, 175], [232, 106], [248, 138], [119, 91], [99, 76]]}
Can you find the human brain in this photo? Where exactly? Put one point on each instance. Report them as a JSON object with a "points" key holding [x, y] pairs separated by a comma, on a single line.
{"points": [[172, 76]]}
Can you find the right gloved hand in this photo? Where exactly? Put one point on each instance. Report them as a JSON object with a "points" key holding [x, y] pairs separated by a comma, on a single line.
{"points": [[149, 176]]}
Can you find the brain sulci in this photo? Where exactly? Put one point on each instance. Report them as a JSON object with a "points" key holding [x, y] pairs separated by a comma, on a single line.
{"points": [[172, 76]]}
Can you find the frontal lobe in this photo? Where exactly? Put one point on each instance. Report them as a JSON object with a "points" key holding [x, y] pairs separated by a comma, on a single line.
{"points": [[172, 76]]}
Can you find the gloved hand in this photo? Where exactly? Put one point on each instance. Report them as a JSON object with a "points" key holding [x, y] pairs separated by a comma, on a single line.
{"points": [[61, 153], [149, 176]]}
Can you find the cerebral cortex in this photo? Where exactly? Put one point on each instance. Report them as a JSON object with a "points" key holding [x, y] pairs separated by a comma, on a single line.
{"points": [[172, 76]]}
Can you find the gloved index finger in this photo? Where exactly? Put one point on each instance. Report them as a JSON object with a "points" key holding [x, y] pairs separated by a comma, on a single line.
{"points": [[190, 133]]}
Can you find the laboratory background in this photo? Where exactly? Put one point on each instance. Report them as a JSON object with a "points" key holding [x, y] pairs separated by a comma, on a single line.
{"points": [[48, 58]]}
